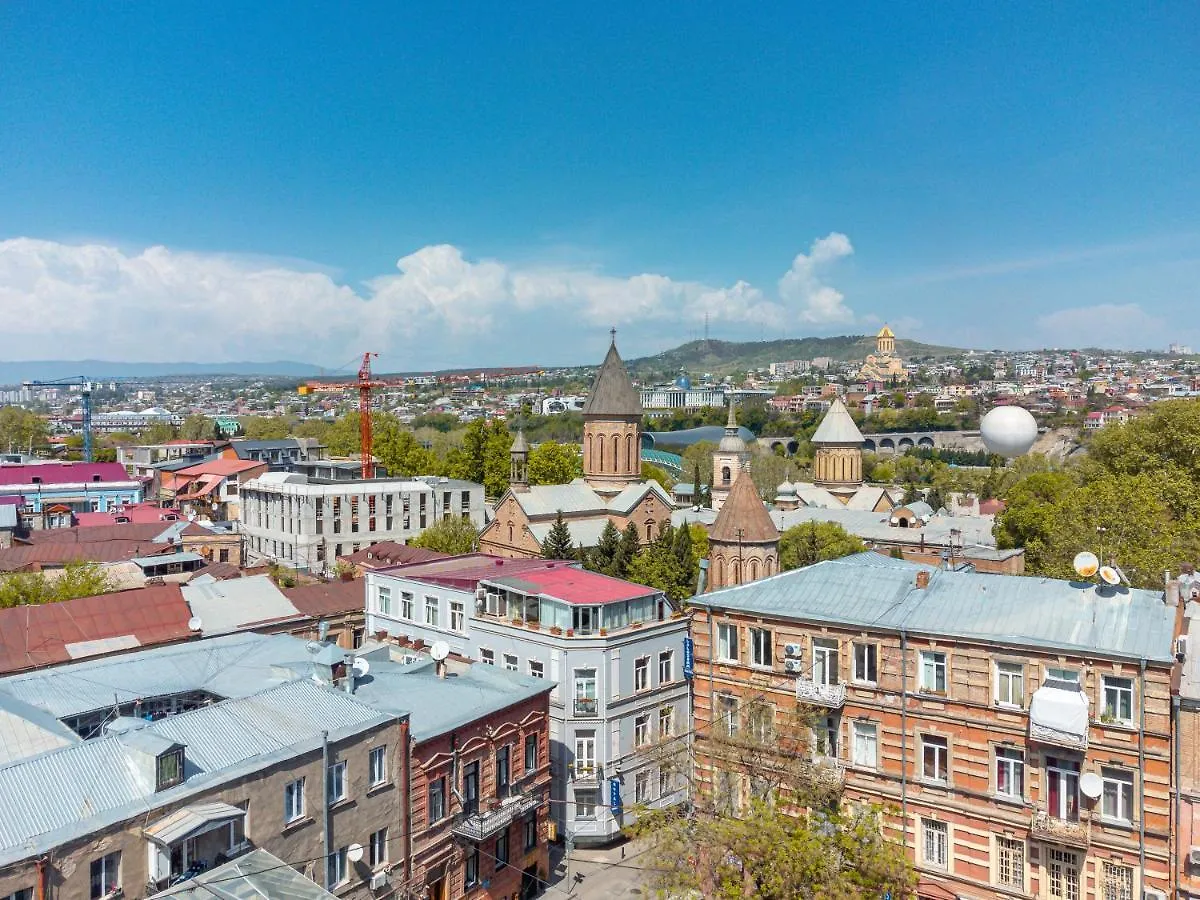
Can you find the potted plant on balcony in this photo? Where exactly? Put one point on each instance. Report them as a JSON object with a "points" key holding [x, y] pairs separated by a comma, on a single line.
{"points": [[554, 629], [570, 632]]}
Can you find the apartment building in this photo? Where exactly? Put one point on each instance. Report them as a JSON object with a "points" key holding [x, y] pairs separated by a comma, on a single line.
{"points": [[1186, 703], [1019, 728], [613, 650], [307, 523]]}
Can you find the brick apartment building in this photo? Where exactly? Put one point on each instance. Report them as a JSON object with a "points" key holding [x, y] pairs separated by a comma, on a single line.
{"points": [[1019, 728]]}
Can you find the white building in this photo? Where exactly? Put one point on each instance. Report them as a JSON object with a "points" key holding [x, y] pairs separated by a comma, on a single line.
{"points": [[307, 523]]}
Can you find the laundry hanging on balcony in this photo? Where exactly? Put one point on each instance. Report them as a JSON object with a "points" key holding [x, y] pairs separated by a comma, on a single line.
{"points": [[1058, 714]]}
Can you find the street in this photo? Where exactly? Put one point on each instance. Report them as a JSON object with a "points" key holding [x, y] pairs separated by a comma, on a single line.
{"points": [[597, 874]]}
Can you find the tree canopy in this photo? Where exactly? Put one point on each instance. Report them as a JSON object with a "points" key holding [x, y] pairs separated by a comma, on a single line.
{"points": [[558, 543], [553, 463], [77, 579], [813, 542], [453, 534], [21, 429]]}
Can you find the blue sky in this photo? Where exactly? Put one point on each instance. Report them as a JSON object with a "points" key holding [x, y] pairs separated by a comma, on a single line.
{"points": [[500, 183]]}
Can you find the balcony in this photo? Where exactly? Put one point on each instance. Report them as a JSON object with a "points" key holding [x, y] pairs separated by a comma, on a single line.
{"points": [[827, 771], [1047, 734], [814, 693], [587, 707], [1046, 827], [484, 823], [585, 774]]}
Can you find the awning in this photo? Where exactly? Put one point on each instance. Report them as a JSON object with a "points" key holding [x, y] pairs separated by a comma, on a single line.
{"points": [[1059, 715], [192, 821]]}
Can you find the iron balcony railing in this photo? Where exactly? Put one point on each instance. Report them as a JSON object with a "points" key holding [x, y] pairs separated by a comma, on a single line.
{"points": [[1047, 735], [815, 693], [484, 823], [1060, 831], [587, 706]]}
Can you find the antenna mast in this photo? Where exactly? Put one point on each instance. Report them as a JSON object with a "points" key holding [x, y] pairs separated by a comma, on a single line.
{"points": [[366, 443]]}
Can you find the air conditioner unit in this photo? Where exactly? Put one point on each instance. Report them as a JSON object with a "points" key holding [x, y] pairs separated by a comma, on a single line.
{"points": [[378, 880], [1181, 646], [1152, 894], [793, 666], [791, 649], [1194, 856]]}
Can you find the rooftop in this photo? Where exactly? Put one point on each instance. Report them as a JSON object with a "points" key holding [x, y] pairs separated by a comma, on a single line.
{"points": [[328, 598], [466, 571], [238, 603], [254, 876], [743, 516], [612, 393], [52, 473], [837, 427], [56, 554], [390, 553], [155, 531], [573, 585]]}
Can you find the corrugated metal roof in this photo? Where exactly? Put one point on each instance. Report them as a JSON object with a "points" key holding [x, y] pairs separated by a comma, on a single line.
{"points": [[583, 531], [225, 606], [549, 499], [1005, 609], [183, 822], [255, 876]]}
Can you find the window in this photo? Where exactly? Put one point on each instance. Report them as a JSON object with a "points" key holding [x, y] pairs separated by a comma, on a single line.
{"points": [[530, 831], [503, 770], [384, 597], [641, 731], [664, 782], [825, 736], [1010, 862], [458, 619], [487, 657], [935, 758], [293, 800], [1118, 882], [537, 668], [471, 867], [1062, 788], [585, 805], [585, 754], [1062, 869], [531, 752], [336, 867], [1010, 773], [866, 664], [1118, 700], [431, 611], [435, 799], [169, 769], [585, 692], [727, 642], [641, 787], [641, 673], [825, 662], [1117, 796], [106, 875], [510, 662], [1067, 678], [1010, 684], [501, 853], [760, 722], [666, 666], [666, 721], [866, 744], [377, 765], [335, 782], [760, 647], [933, 672], [378, 848], [406, 605], [935, 845], [22, 894], [470, 788], [727, 714]]}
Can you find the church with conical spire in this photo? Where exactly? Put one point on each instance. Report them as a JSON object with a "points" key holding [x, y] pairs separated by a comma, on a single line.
{"points": [[611, 489]]}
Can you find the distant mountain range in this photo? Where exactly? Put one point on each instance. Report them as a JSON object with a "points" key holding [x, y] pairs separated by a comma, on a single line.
{"points": [[52, 370], [723, 357]]}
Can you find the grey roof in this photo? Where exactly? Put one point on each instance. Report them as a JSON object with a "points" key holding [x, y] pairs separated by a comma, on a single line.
{"points": [[226, 606], [612, 392], [437, 705], [732, 441], [868, 496], [547, 499], [630, 496], [1012, 610], [8, 516], [68, 793], [183, 822], [519, 444], [584, 532], [255, 876], [976, 531], [26, 730], [165, 559], [837, 427]]}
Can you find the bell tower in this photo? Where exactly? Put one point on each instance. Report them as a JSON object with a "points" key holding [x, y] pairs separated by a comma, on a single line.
{"points": [[730, 457], [612, 427]]}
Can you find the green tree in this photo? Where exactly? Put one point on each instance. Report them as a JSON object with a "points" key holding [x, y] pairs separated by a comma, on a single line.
{"points": [[159, 433], [605, 556], [553, 463], [21, 429], [196, 428], [558, 543], [631, 543], [658, 566], [453, 534], [813, 542], [77, 579], [265, 428], [651, 472], [444, 422], [317, 429]]}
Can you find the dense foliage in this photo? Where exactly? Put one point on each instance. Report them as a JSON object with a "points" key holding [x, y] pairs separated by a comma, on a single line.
{"points": [[453, 535], [77, 579], [814, 542]]}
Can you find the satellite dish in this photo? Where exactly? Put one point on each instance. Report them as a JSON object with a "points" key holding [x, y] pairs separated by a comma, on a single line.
{"points": [[1109, 575], [1086, 564], [1090, 785], [361, 667], [354, 853], [194, 623], [440, 650]]}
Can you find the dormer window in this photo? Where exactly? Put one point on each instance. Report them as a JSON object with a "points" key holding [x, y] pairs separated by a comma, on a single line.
{"points": [[122, 520], [169, 769], [37, 479], [97, 478]]}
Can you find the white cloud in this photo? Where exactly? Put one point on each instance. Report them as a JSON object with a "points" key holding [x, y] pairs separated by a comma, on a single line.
{"points": [[69, 301], [1120, 326]]}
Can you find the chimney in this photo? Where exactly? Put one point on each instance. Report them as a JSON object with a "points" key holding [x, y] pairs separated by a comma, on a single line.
{"points": [[922, 580], [440, 667]]}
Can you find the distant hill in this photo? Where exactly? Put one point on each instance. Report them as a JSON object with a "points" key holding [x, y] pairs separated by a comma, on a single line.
{"points": [[723, 357], [51, 370]]}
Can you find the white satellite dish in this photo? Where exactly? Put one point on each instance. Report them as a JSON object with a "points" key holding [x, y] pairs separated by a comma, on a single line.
{"points": [[1090, 785], [361, 667], [1109, 575], [354, 853], [440, 650], [1086, 564], [194, 623]]}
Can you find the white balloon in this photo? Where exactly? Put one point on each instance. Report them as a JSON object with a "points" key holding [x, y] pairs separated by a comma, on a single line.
{"points": [[1008, 431]]}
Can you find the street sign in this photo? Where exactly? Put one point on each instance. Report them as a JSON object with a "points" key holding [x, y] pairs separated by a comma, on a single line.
{"points": [[689, 658], [614, 796]]}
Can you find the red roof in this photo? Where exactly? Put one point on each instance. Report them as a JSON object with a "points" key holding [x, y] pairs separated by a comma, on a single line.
{"points": [[466, 571], [63, 473], [137, 513], [575, 586], [95, 534], [327, 599], [59, 553], [222, 465], [390, 553], [35, 636]]}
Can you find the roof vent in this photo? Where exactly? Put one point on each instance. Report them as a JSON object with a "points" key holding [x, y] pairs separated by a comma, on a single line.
{"points": [[922, 579]]}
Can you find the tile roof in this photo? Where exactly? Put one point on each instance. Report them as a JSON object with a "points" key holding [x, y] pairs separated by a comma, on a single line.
{"points": [[612, 393], [63, 473], [1012, 610], [34, 636], [574, 585], [743, 516]]}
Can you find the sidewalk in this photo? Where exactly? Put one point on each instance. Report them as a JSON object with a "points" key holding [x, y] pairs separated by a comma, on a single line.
{"points": [[597, 874]]}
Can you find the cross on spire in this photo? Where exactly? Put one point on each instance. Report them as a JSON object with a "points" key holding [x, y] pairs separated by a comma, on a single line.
{"points": [[612, 333]]}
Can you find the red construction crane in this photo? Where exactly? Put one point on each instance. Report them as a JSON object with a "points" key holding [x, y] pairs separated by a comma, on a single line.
{"points": [[366, 443]]}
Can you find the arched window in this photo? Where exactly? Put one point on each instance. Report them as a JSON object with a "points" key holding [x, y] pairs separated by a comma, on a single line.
{"points": [[650, 530], [616, 448], [630, 459], [587, 452], [600, 447], [770, 569], [726, 475], [510, 532], [735, 571], [754, 570], [718, 567]]}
